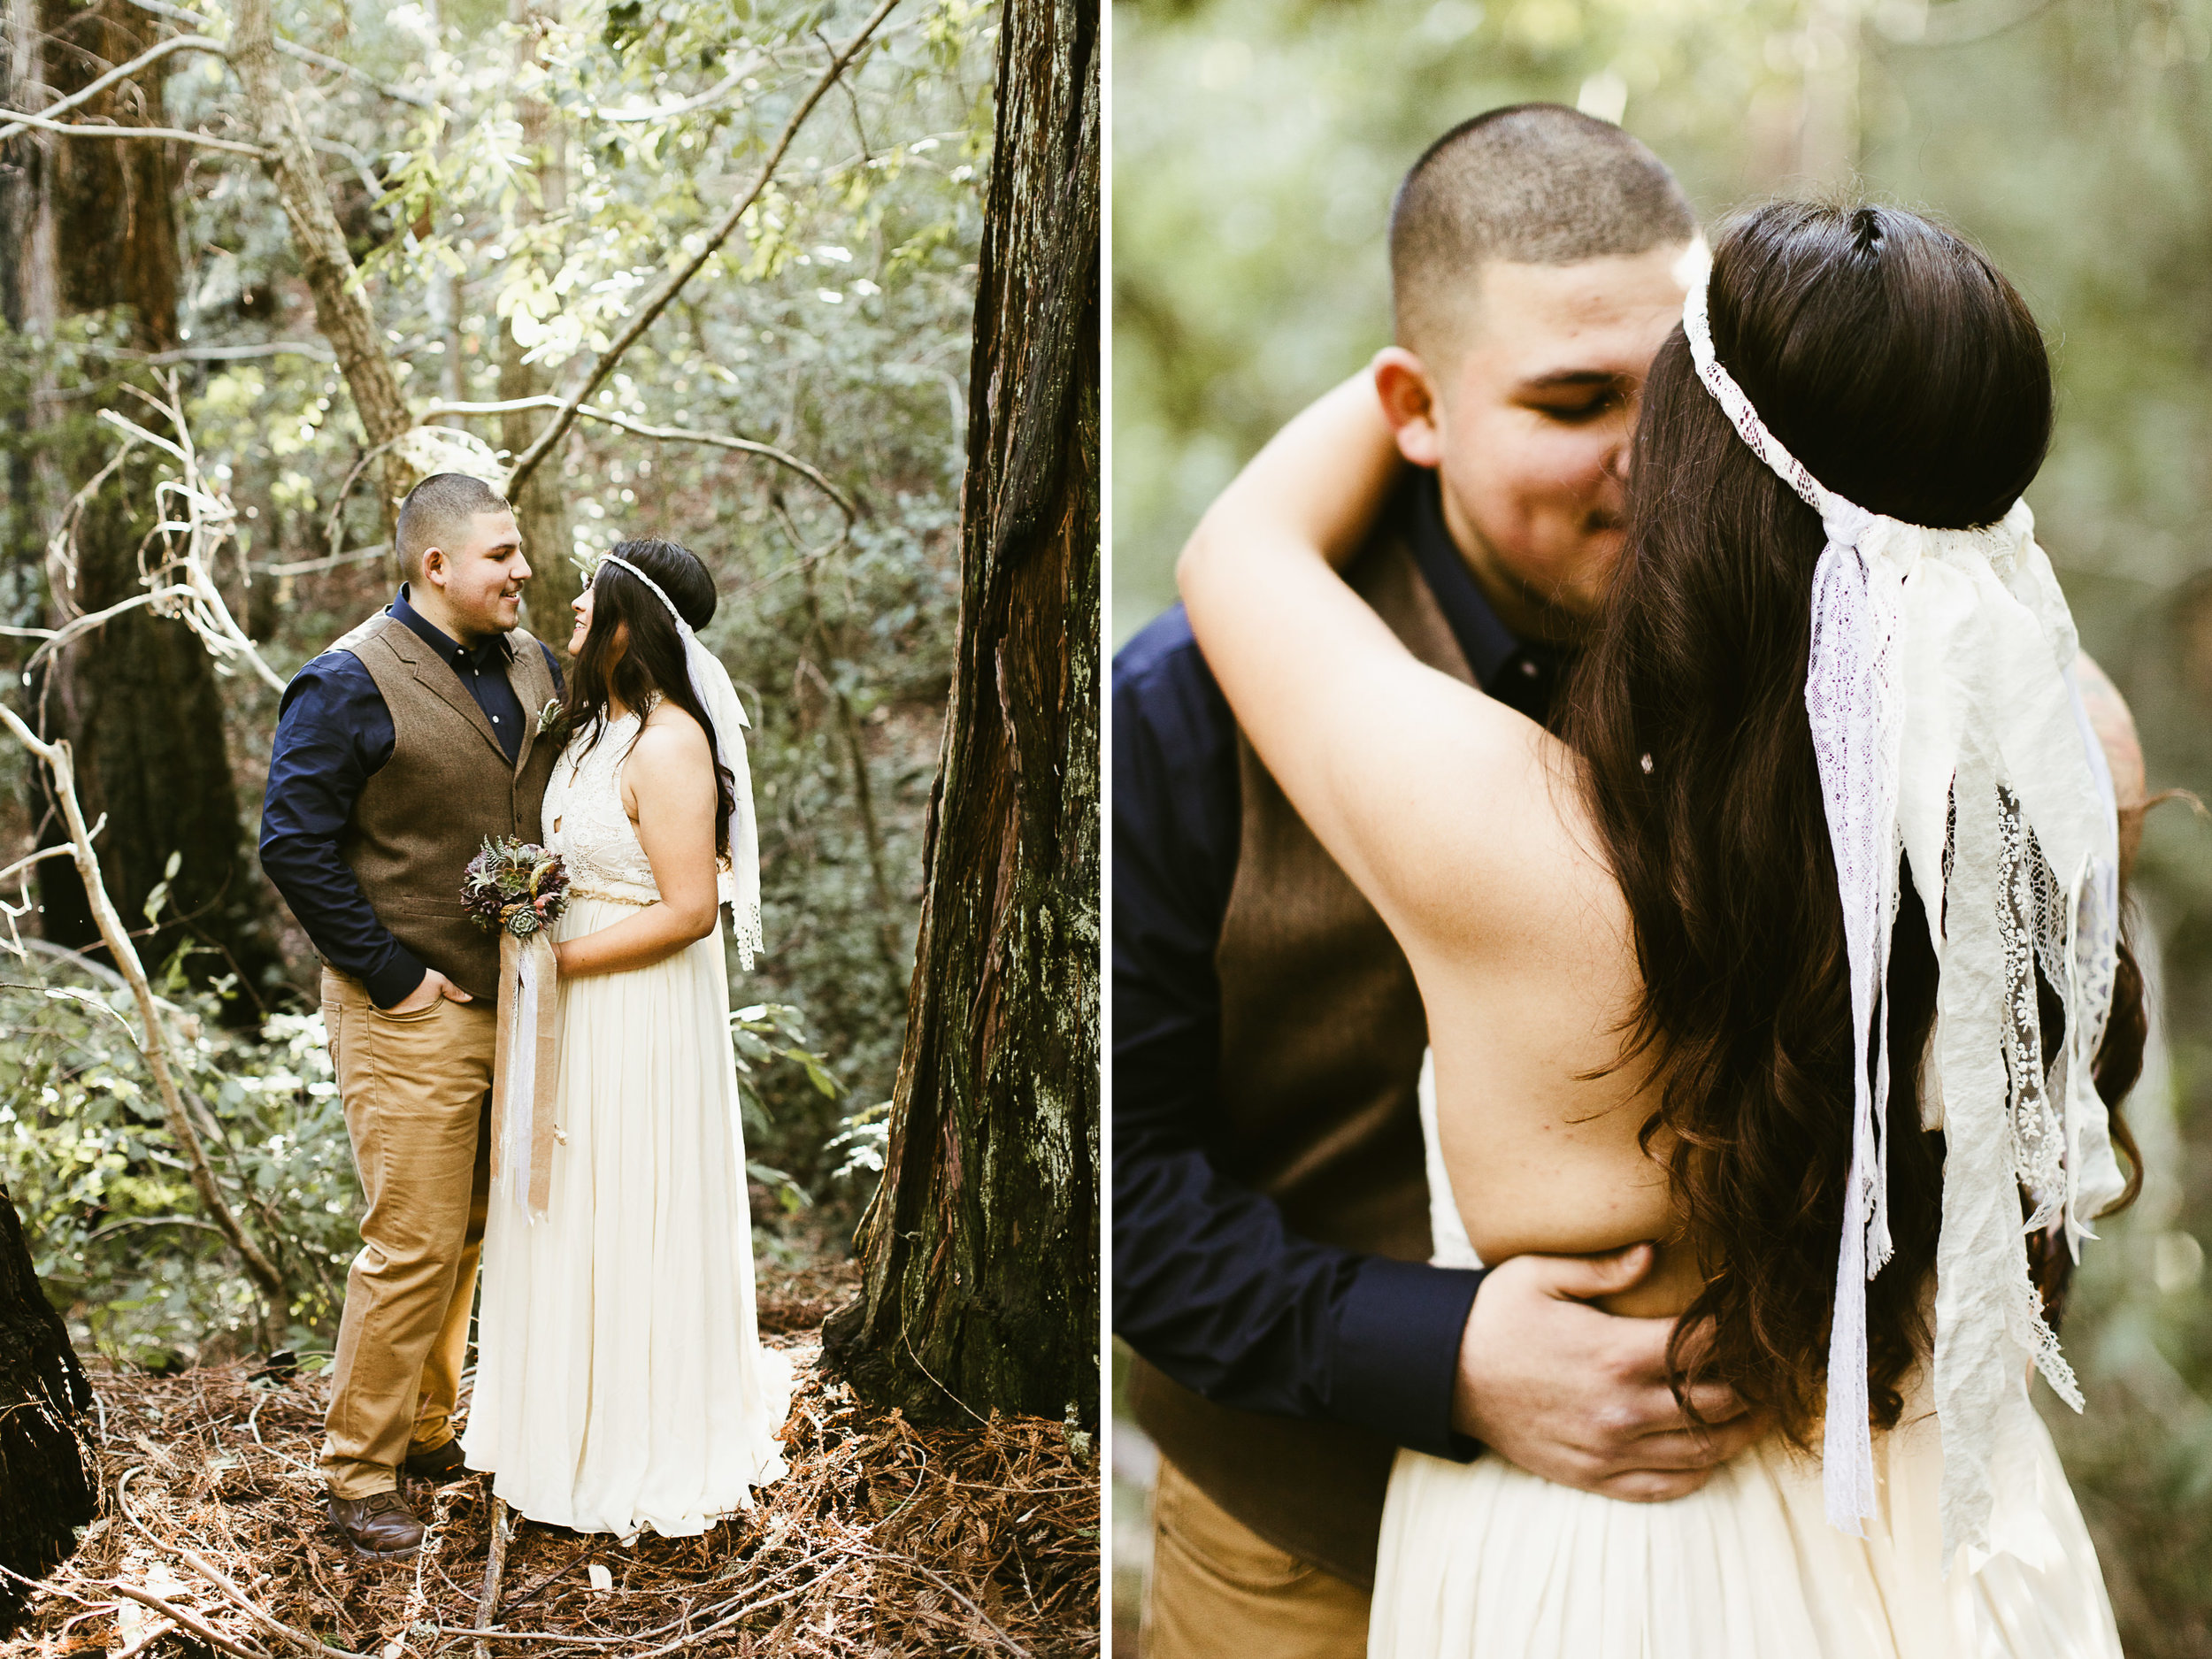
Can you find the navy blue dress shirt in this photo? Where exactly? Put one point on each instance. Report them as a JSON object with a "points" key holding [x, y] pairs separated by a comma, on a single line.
{"points": [[1210, 1284], [332, 734]]}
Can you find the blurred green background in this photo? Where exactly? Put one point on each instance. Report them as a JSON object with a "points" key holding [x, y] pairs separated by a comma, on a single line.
{"points": [[1256, 149]]}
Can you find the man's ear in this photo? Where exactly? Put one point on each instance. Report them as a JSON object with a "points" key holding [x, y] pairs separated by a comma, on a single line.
{"points": [[433, 565], [1411, 404]]}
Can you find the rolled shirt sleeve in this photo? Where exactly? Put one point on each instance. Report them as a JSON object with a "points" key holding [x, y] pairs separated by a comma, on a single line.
{"points": [[1209, 1284], [332, 733]]}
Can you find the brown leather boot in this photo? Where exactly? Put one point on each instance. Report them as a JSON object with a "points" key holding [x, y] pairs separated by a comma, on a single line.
{"points": [[380, 1524], [437, 1465]]}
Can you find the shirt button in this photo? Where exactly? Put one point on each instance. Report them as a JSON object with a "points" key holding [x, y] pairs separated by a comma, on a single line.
{"points": [[1528, 668]]}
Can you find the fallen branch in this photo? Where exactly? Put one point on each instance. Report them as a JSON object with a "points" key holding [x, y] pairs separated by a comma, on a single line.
{"points": [[309, 1645], [124, 71], [673, 285], [494, 1569], [666, 434], [169, 1609], [62, 767]]}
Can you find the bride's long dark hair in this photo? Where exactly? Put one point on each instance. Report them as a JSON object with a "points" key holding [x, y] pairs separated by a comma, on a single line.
{"points": [[1896, 362], [633, 650]]}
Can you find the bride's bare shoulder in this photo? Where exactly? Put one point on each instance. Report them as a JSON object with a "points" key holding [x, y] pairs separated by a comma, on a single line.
{"points": [[671, 749]]}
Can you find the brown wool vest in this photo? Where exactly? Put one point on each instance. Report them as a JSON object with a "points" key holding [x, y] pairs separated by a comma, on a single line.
{"points": [[447, 786], [1322, 1034]]}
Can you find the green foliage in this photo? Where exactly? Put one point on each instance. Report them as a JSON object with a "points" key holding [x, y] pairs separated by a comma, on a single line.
{"points": [[121, 1241]]}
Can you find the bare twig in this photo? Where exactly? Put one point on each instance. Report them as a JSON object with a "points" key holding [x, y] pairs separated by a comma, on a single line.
{"points": [[314, 349], [713, 95], [527, 462], [183, 585], [950, 1589], [62, 767], [124, 71], [161, 1627], [169, 1609], [308, 568], [494, 1569], [292, 49], [208, 1570], [97, 129], [667, 434]]}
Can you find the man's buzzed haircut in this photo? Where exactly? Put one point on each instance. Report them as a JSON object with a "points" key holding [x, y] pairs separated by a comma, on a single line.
{"points": [[1530, 184], [437, 511]]}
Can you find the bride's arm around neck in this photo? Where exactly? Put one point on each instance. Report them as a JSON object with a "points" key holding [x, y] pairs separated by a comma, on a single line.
{"points": [[1406, 775]]}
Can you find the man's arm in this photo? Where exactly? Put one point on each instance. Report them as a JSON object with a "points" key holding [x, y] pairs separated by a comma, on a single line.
{"points": [[333, 733], [1212, 1288], [1209, 1283]]}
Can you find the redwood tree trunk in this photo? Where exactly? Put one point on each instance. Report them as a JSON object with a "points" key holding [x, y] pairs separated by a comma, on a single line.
{"points": [[980, 1252], [48, 1485], [138, 699]]}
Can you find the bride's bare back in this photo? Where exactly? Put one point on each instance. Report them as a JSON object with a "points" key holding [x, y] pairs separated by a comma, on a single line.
{"points": [[1525, 964], [1463, 822]]}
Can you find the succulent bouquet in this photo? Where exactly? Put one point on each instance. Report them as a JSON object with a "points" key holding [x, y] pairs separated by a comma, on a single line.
{"points": [[514, 886]]}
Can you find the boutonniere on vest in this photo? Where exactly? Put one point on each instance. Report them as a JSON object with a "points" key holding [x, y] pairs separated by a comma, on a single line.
{"points": [[518, 890], [549, 716]]}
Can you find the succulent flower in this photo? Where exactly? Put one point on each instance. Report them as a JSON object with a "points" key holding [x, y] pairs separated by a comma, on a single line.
{"points": [[514, 886]]}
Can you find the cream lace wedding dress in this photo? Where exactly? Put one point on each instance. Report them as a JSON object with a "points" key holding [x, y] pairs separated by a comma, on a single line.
{"points": [[1485, 1561], [620, 1382]]}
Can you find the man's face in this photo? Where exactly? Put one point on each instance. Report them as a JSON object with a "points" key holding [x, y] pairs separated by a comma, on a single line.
{"points": [[1530, 426], [480, 576]]}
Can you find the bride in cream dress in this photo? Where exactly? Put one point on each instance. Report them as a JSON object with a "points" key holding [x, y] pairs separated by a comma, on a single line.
{"points": [[620, 1382], [1823, 844]]}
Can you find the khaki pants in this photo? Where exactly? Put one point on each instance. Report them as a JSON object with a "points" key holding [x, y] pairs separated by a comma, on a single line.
{"points": [[1220, 1591], [417, 1090]]}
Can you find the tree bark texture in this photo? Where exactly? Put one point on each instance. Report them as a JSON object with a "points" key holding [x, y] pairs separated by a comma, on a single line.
{"points": [[138, 698], [979, 1253], [48, 1481], [541, 503]]}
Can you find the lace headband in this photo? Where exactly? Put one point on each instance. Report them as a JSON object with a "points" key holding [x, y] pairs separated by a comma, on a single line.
{"points": [[738, 886], [1950, 733]]}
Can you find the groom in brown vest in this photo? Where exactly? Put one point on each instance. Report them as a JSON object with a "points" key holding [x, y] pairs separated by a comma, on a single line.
{"points": [[398, 751], [1270, 1207]]}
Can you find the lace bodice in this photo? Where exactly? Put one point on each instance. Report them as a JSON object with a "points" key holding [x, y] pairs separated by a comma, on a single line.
{"points": [[584, 820]]}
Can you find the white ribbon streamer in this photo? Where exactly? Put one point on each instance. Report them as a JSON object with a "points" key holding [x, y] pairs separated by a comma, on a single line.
{"points": [[1941, 678], [739, 885]]}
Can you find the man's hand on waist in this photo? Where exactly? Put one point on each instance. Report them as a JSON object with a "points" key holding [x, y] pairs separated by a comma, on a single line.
{"points": [[1579, 1395]]}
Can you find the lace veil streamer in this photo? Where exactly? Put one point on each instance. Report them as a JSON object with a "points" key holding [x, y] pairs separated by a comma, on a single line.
{"points": [[1949, 730], [738, 886]]}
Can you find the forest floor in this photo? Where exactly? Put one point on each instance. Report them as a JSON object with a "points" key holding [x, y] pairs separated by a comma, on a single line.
{"points": [[883, 1538]]}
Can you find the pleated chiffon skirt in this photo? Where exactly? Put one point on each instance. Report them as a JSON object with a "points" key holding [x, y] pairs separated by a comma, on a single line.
{"points": [[1485, 1561], [620, 1382]]}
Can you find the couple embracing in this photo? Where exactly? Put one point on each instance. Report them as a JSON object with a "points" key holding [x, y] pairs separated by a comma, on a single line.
{"points": [[1664, 844], [620, 1383]]}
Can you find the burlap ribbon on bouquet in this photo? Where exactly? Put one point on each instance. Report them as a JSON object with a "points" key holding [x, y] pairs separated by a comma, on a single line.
{"points": [[524, 1067]]}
